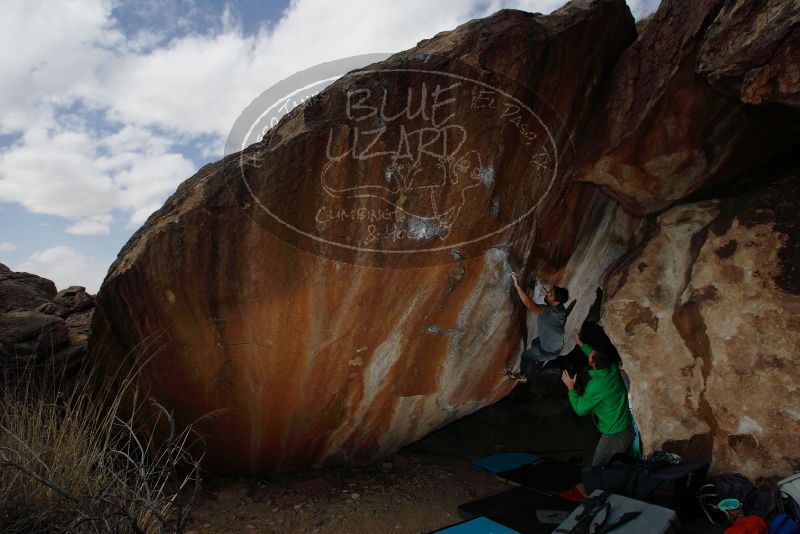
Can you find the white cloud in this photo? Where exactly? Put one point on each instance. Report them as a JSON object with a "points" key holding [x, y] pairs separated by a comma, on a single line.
{"points": [[7, 247], [197, 84], [93, 225], [200, 83], [75, 174], [66, 267], [642, 8], [148, 180], [49, 53], [56, 173]]}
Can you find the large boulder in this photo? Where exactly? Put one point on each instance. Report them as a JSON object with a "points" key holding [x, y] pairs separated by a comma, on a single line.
{"points": [[39, 326], [752, 51], [663, 133], [705, 316], [339, 300], [73, 299], [23, 291], [28, 334], [79, 327]]}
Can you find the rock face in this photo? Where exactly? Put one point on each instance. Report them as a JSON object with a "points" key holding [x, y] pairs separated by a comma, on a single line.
{"points": [[576, 246], [335, 353], [663, 133], [32, 333], [752, 51], [39, 327], [701, 310], [340, 288], [23, 291], [73, 300], [705, 316]]}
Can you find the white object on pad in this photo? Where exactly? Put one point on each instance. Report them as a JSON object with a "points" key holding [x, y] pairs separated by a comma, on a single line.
{"points": [[791, 487], [652, 520]]}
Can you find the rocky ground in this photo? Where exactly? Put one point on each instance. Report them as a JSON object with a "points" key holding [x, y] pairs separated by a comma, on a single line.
{"points": [[416, 490], [408, 493]]}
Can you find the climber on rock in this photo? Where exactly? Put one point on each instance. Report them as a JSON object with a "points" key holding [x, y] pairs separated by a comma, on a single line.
{"points": [[604, 396], [550, 320]]}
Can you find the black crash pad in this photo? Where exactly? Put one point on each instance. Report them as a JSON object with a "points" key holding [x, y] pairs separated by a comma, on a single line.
{"points": [[521, 509], [547, 475]]}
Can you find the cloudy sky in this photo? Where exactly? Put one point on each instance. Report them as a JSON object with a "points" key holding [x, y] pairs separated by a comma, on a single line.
{"points": [[106, 106]]}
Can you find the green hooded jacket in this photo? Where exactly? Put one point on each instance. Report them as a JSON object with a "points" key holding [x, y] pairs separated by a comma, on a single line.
{"points": [[605, 396]]}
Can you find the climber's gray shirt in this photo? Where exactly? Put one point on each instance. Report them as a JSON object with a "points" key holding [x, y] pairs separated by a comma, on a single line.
{"points": [[550, 327]]}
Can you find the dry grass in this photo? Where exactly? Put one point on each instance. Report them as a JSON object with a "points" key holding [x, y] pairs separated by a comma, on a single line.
{"points": [[73, 460]]}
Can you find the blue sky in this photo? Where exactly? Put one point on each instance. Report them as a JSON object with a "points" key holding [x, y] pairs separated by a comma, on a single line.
{"points": [[106, 106]]}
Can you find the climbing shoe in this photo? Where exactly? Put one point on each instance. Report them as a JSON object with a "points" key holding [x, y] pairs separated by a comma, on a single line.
{"points": [[516, 377]]}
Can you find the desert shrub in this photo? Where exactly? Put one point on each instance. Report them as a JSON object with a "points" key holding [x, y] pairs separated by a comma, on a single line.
{"points": [[78, 454]]}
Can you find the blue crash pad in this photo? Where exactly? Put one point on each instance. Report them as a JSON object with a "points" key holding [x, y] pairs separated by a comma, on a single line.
{"points": [[504, 461], [479, 525]]}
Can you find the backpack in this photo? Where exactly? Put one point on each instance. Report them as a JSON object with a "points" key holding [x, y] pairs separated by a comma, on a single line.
{"points": [[752, 524], [765, 503], [656, 481], [733, 486], [790, 489], [784, 524]]}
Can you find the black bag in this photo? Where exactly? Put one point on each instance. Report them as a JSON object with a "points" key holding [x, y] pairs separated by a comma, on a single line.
{"points": [[672, 486], [548, 475], [524, 510], [763, 502]]}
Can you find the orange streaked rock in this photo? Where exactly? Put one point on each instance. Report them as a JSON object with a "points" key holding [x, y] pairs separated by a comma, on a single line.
{"points": [[324, 351]]}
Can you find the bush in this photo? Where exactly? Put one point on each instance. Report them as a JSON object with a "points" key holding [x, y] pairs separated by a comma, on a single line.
{"points": [[73, 460]]}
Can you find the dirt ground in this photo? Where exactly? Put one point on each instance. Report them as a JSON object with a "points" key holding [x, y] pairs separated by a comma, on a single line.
{"points": [[416, 490]]}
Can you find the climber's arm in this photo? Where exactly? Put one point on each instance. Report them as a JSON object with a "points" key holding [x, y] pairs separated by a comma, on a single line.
{"points": [[583, 404], [526, 300]]}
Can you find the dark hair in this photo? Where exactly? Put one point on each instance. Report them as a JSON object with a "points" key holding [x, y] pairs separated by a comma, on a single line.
{"points": [[593, 335], [561, 295], [602, 360]]}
